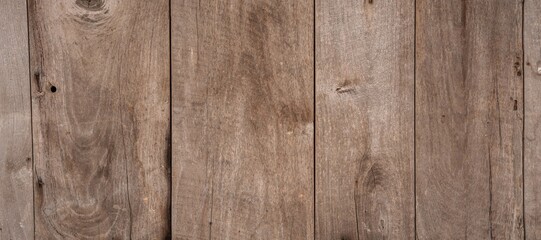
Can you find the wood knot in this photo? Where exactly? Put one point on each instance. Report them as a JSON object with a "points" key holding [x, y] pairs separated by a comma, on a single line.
{"points": [[374, 177], [518, 66], [91, 5], [345, 90], [40, 182], [346, 86]]}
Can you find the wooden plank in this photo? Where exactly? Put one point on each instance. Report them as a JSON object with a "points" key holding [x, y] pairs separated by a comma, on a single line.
{"points": [[16, 216], [242, 119], [100, 118], [469, 119], [364, 120], [532, 119]]}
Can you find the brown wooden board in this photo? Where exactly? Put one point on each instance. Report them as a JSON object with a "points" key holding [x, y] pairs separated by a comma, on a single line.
{"points": [[532, 120], [364, 119], [100, 102], [469, 119], [242, 119], [16, 214]]}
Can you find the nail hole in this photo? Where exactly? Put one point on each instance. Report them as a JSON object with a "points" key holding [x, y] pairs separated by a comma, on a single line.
{"points": [[53, 89]]}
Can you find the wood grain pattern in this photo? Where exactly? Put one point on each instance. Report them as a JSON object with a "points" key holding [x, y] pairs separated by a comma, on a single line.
{"points": [[242, 119], [532, 119], [469, 119], [364, 120], [16, 216], [100, 118]]}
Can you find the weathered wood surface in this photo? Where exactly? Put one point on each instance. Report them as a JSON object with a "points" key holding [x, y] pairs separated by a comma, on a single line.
{"points": [[469, 109], [242, 119], [419, 127], [100, 102], [364, 119], [16, 206], [532, 118]]}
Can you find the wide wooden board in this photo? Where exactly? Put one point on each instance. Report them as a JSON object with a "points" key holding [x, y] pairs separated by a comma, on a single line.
{"points": [[242, 92], [100, 102], [16, 213], [364, 119], [469, 110]]}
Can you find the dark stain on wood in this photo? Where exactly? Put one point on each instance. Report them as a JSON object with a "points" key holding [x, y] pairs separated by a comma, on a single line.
{"points": [[346, 238], [257, 69]]}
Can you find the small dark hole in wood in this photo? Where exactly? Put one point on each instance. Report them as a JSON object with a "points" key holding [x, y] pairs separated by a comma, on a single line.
{"points": [[53, 89]]}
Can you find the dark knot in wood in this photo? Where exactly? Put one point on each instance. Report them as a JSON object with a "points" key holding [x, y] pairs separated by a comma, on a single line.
{"points": [[91, 5]]}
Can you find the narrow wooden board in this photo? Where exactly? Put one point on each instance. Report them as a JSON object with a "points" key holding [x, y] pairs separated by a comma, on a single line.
{"points": [[364, 119], [100, 100], [242, 119], [16, 216], [469, 119], [532, 119]]}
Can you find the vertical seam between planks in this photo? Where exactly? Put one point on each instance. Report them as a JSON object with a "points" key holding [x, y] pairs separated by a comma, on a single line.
{"points": [[415, 119], [207, 150], [31, 115], [170, 143], [314, 106], [523, 125]]}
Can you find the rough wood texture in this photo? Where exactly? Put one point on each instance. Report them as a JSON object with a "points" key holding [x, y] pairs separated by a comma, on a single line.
{"points": [[364, 120], [100, 100], [242, 119], [16, 217], [469, 119], [532, 129]]}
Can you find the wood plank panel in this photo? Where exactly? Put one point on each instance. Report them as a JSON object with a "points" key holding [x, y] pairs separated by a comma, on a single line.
{"points": [[16, 216], [469, 119], [242, 119], [100, 118], [532, 119], [364, 119]]}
